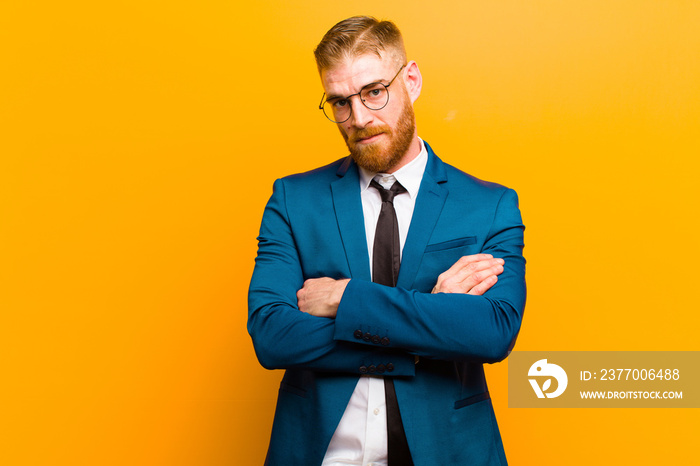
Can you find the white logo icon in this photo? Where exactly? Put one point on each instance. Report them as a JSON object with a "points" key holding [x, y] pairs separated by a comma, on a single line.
{"points": [[542, 369]]}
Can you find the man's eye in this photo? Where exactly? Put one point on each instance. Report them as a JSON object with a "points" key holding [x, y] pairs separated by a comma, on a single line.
{"points": [[375, 92], [340, 103]]}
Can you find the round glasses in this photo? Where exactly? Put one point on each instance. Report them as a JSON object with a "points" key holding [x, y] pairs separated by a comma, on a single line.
{"points": [[374, 96]]}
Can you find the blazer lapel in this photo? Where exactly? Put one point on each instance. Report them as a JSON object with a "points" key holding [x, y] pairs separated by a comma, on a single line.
{"points": [[348, 212], [431, 198]]}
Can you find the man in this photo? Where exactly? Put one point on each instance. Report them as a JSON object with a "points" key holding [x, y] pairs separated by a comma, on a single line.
{"points": [[384, 280]]}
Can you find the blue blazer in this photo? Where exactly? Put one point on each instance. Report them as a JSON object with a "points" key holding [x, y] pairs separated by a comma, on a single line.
{"points": [[313, 227]]}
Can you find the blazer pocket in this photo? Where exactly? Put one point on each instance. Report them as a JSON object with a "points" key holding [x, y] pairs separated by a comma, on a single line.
{"points": [[285, 387], [471, 400], [455, 243]]}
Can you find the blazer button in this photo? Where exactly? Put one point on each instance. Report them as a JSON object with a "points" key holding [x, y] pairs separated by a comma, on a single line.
{"points": [[358, 334], [376, 339], [367, 336], [390, 367], [385, 341], [372, 369], [381, 368], [363, 369]]}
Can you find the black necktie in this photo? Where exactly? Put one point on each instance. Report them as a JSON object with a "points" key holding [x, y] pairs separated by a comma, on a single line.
{"points": [[386, 260]]}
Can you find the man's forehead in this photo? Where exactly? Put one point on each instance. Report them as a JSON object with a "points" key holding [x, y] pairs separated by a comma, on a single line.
{"points": [[354, 71]]}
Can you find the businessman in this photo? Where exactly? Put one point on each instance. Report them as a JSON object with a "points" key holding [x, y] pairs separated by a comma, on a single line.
{"points": [[384, 281]]}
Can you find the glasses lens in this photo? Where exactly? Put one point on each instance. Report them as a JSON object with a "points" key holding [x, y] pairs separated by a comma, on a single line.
{"points": [[337, 110], [375, 96]]}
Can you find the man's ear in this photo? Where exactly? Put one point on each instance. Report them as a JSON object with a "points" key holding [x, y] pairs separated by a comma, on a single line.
{"points": [[413, 80]]}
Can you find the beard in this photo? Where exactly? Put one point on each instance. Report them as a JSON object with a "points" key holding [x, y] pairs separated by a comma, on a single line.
{"points": [[380, 157]]}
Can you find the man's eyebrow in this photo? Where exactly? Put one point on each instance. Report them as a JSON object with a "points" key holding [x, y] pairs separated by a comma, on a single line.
{"points": [[335, 96]]}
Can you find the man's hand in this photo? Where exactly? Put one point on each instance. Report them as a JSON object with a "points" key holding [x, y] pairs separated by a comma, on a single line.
{"points": [[321, 296], [473, 275]]}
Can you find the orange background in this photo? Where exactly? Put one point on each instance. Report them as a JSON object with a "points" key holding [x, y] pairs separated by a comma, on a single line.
{"points": [[139, 142]]}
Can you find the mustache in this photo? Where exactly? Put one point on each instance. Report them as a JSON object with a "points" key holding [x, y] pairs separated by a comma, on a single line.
{"points": [[369, 132]]}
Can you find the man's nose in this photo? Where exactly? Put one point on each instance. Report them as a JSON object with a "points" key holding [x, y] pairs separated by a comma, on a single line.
{"points": [[361, 115]]}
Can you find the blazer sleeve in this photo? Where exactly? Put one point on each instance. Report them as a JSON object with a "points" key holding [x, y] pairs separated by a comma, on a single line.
{"points": [[283, 336], [447, 326]]}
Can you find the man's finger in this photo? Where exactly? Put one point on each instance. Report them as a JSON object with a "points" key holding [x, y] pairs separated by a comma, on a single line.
{"points": [[484, 286], [474, 268], [469, 276], [464, 261]]}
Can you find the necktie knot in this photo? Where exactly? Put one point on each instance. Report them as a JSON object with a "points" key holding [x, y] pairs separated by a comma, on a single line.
{"points": [[388, 194]]}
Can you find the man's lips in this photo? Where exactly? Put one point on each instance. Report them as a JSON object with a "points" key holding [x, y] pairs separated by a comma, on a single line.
{"points": [[368, 139]]}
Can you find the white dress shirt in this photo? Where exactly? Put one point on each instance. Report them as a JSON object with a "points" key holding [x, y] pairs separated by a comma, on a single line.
{"points": [[361, 435]]}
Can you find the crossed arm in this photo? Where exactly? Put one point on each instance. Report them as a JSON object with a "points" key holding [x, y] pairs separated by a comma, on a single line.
{"points": [[473, 275], [473, 312]]}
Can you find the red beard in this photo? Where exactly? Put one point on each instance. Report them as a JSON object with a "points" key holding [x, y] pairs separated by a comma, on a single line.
{"points": [[382, 156]]}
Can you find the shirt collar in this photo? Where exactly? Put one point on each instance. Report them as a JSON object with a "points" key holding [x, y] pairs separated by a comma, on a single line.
{"points": [[410, 175]]}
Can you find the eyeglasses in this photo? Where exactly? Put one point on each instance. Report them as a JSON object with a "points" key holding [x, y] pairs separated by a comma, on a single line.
{"points": [[374, 96]]}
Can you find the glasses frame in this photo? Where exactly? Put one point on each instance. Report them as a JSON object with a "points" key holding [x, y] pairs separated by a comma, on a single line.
{"points": [[386, 86]]}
